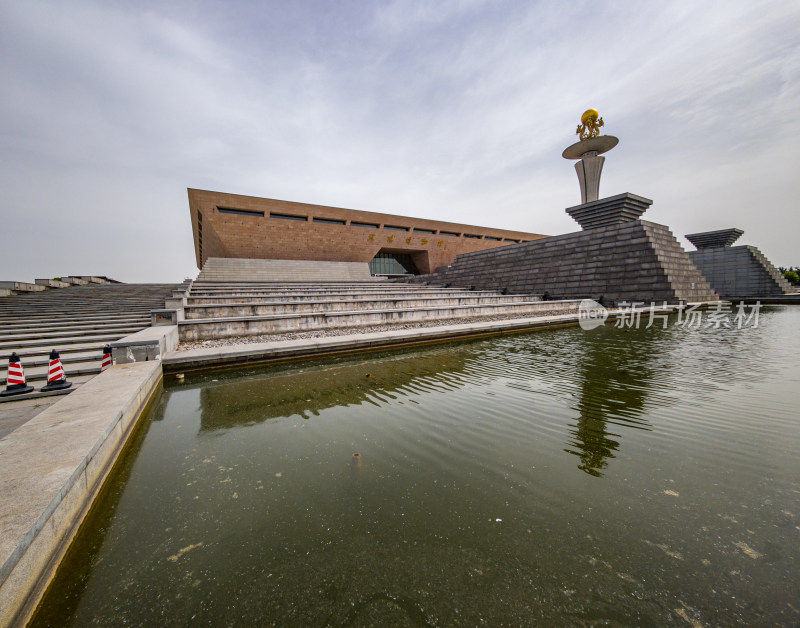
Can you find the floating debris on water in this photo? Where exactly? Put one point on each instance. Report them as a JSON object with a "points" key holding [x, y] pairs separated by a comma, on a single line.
{"points": [[749, 551], [681, 612], [673, 493], [182, 551], [666, 549]]}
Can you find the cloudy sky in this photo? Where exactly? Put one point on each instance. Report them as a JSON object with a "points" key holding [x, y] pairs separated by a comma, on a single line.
{"points": [[447, 110]]}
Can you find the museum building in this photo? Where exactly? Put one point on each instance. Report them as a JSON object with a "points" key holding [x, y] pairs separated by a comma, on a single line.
{"points": [[247, 227]]}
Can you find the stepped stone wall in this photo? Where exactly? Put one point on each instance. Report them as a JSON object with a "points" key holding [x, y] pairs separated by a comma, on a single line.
{"points": [[740, 271], [634, 260]]}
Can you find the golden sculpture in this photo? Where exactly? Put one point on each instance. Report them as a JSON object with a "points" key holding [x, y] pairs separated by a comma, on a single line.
{"points": [[590, 124]]}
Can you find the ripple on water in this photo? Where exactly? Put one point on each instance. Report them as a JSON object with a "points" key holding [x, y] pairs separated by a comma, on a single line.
{"points": [[628, 477]]}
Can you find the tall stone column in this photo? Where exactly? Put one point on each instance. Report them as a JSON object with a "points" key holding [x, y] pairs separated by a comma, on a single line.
{"points": [[589, 168]]}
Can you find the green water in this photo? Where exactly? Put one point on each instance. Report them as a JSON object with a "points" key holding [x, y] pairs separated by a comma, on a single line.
{"points": [[575, 478]]}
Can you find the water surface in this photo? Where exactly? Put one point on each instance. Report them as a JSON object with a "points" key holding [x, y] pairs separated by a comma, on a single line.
{"points": [[562, 477]]}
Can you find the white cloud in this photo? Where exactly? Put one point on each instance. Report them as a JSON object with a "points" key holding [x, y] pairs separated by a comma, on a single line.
{"points": [[456, 111]]}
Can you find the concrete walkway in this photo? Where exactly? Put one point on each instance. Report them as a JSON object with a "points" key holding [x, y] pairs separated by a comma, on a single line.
{"points": [[51, 469], [13, 415]]}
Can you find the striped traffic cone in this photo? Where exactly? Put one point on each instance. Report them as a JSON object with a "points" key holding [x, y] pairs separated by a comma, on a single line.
{"points": [[108, 361], [56, 380], [15, 380]]}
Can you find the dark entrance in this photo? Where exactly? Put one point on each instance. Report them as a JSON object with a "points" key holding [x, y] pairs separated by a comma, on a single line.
{"points": [[393, 264]]}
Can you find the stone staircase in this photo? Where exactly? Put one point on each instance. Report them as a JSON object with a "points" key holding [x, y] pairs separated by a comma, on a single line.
{"points": [[249, 308], [77, 322], [219, 269]]}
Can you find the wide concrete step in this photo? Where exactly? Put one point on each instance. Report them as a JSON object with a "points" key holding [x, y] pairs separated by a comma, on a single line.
{"points": [[19, 345], [81, 304], [50, 336], [45, 313], [39, 373], [43, 358], [285, 284], [312, 290], [307, 288], [342, 305], [229, 269], [193, 330], [337, 295], [37, 393], [75, 324], [38, 355]]}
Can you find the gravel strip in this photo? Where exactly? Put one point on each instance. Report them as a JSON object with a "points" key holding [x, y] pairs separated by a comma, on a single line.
{"points": [[344, 331]]}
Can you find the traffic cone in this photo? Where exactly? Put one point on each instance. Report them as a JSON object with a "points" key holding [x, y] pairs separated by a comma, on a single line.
{"points": [[108, 361], [56, 380], [15, 380]]}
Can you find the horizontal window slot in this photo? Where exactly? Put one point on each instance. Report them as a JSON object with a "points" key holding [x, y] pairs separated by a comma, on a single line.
{"points": [[424, 230], [353, 223], [448, 233], [240, 212], [492, 238], [395, 228], [472, 235], [510, 240], [329, 221], [288, 217]]}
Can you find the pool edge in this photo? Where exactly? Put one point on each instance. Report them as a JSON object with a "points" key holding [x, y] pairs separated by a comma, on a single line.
{"points": [[118, 398]]}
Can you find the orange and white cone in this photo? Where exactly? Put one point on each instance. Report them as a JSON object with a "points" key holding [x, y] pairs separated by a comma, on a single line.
{"points": [[108, 361], [15, 380], [56, 380]]}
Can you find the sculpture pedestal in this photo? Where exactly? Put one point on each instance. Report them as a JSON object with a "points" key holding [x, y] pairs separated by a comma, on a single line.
{"points": [[591, 164], [589, 168]]}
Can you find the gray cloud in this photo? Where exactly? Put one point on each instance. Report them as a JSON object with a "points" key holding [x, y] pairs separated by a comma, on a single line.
{"points": [[455, 111]]}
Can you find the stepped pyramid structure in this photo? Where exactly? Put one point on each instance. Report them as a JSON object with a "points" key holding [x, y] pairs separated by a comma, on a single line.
{"points": [[616, 258], [736, 271]]}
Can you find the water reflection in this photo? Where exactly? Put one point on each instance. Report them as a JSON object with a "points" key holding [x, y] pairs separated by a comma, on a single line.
{"points": [[308, 391], [614, 378]]}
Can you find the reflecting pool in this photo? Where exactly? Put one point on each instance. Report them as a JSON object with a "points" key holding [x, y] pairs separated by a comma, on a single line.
{"points": [[639, 477]]}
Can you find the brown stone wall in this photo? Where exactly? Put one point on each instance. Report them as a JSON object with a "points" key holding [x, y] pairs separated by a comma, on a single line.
{"points": [[254, 236]]}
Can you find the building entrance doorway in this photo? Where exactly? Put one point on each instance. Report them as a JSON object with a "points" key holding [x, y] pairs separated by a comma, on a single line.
{"points": [[385, 263]]}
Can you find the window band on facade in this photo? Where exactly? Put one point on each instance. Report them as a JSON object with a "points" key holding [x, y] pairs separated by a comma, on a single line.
{"points": [[240, 212], [329, 221], [288, 216]]}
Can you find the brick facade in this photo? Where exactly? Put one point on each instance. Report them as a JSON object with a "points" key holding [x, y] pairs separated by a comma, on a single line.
{"points": [[265, 229]]}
